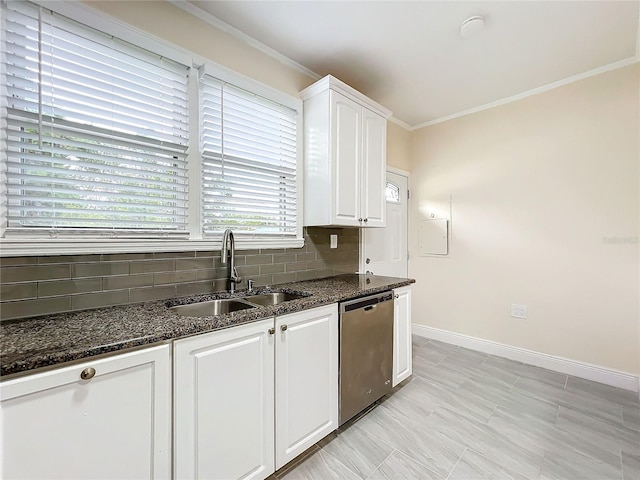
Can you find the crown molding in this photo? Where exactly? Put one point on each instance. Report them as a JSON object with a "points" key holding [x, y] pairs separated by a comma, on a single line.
{"points": [[234, 32], [397, 121], [331, 82], [535, 91]]}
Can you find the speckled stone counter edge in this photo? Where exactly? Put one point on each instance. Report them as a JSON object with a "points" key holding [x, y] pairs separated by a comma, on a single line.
{"points": [[34, 343]]}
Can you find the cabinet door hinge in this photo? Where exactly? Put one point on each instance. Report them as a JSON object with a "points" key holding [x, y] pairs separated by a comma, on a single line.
{"points": [[408, 194]]}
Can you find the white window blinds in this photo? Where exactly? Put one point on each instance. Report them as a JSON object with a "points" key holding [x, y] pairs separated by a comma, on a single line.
{"points": [[97, 130], [249, 162]]}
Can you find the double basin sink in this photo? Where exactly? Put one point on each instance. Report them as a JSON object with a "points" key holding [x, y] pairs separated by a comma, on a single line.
{"points": [[227, 305]]}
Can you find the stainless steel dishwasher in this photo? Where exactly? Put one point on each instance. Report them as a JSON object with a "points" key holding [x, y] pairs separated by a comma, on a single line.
{"points": [[366, 352]]}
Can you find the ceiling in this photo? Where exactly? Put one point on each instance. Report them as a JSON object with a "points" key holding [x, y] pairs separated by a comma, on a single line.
{"points": [[409, 55]]}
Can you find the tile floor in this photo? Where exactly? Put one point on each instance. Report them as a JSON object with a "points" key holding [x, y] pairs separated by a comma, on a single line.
{"points": [[466, 415]]}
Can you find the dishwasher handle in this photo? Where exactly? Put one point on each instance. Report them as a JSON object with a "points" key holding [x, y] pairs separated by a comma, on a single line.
{"points": [[364, 302]]}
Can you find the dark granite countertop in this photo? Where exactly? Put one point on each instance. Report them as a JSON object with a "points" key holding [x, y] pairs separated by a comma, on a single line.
{"points": [[32, 343]]}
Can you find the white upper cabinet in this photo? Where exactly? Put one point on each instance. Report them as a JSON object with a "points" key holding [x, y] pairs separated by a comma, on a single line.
{"points": [[374, 169], [345, 156]]}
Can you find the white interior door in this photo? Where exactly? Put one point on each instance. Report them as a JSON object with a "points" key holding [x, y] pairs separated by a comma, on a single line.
{"points": [[384, 250]]}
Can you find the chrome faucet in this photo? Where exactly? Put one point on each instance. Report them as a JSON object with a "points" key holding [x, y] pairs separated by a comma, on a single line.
{"points": [[228, 252]]}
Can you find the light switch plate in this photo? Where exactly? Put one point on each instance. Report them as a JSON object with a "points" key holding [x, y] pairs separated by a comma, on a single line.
{"points": [[334, 241]]}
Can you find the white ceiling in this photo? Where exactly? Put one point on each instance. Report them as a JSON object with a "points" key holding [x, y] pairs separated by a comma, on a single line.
{"points": [[410, 57]]}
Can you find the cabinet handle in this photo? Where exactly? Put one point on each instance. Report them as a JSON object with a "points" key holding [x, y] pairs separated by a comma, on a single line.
{"points": [[397, 296], [87, 373], [360, 219], [272, 331], [366, 220], [283, 328]]}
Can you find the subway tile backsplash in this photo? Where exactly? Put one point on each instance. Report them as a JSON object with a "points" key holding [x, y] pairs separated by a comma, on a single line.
{"points": [[32, 286]]}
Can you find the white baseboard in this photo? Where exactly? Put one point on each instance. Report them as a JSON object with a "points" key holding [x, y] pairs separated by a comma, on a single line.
{"points": [[596, 373]]}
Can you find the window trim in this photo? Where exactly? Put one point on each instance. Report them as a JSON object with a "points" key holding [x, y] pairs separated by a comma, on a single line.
{"points": [[32, 245]]}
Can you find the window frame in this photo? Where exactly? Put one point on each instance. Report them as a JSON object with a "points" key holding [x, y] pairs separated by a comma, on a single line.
{"points": [[275, 97], [30, 245], [395, 187]]}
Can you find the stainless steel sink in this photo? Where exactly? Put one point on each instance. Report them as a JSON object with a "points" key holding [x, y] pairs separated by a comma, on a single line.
{"points": [[227, 305], [211, 308], [273, 298]]}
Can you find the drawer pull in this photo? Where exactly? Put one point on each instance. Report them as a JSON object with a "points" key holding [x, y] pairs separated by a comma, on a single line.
{"points": [[283, 328], [272, 331], [87, 373]]}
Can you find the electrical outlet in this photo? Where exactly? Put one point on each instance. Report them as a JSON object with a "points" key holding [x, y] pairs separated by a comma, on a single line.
{"points": [[518, 311], [334, 241]]}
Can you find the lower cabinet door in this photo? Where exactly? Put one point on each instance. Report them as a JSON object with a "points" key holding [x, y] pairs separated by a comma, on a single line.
{"points": [[402, 354], [107, 418], [224, 404], [306, 380]]}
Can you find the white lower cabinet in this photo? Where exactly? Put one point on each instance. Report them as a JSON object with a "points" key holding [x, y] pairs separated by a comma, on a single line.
{"points": [[224, 404], [306, 380], [115, 423], [402, 362], [250, 398]]}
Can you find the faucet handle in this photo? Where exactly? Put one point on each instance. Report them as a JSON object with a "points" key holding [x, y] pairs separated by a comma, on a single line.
{"points": [[250, 283], [234, 276]]}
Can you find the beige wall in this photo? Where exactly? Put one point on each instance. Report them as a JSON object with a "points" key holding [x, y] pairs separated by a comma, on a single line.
{"points": [[174, 25], [398, 143], [544, 212], [170, 23]]}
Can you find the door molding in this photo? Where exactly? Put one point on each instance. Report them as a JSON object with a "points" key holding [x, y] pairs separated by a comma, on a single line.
{"points": [[398, 171]]}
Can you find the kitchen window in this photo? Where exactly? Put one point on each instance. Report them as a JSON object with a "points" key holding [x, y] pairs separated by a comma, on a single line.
{"points": [[97, 132], [249, 162], [113, 145]]}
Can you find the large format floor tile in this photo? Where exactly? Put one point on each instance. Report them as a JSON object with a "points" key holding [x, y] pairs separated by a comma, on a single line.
{"points": [[319, 465], [414, 438], [570, 465], [465, 415], [631, 416], [398, 466], [472, 465], [356, 449], [630, 466]]}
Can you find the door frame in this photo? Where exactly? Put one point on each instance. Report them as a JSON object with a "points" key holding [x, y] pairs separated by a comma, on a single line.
{"points": [[403, 173]]}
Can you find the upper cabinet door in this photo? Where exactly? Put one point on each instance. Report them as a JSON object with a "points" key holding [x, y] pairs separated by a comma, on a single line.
{"points": [[374, 147], [107, 418], [344, 156], [346, 124]]}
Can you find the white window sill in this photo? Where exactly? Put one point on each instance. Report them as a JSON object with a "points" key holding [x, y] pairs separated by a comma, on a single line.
{"points": [[32, 247]]}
